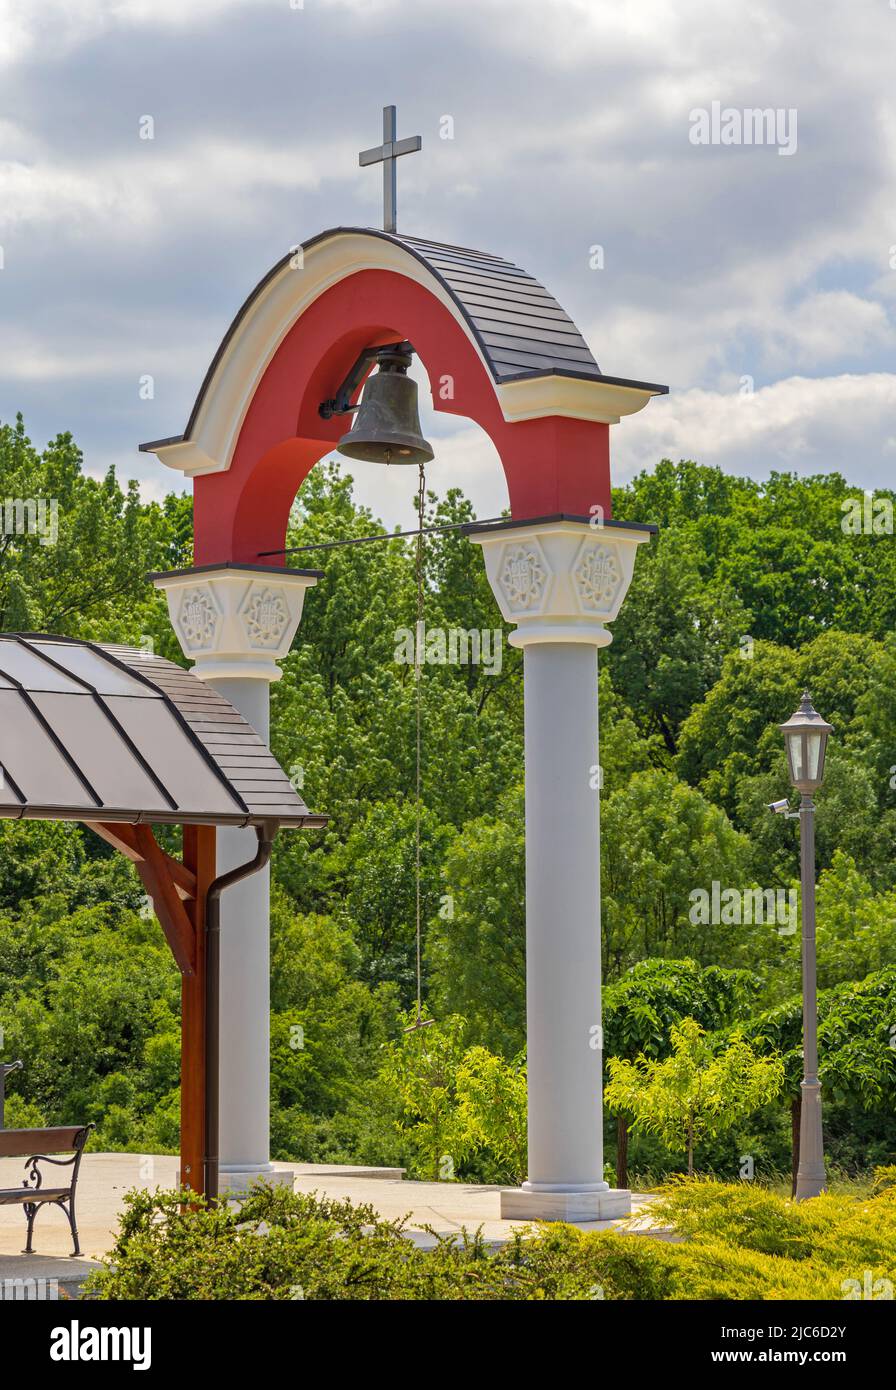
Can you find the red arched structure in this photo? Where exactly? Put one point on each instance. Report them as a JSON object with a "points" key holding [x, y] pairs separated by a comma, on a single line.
{"points": [[497, 347]]}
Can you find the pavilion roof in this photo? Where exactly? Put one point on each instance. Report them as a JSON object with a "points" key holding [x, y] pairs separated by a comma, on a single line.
{"points": [[97, 732]]}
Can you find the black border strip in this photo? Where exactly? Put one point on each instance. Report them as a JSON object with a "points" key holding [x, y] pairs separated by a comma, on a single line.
{"points": [[483, 528]]}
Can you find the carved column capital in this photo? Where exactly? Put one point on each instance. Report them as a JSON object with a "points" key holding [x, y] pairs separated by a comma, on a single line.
{"points": [[560, 578], [236, 620]]}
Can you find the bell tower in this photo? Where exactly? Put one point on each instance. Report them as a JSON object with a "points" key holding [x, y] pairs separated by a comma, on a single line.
{"points": [[272, 404]]}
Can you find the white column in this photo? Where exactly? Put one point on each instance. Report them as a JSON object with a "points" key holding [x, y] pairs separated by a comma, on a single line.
{"points": [[234, 622], [560, 582]]}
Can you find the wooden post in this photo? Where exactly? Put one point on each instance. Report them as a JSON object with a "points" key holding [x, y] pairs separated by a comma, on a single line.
{"points": [[199, 855]]}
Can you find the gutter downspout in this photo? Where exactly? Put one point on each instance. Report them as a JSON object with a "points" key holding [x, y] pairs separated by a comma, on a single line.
{"points": [[266, 834]]}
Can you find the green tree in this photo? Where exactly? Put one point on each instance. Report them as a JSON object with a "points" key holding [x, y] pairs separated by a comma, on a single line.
{"points": [[78, 565], [857, 1059], [661, 840], [492, 1109], [640, 1009], [328, 1026], [671, 636], [696, 1092], [854, 931], [422, 1068], [476, 943], [375, 872]]}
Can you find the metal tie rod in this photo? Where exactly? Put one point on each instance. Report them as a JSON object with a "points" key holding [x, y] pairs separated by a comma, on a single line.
{"points": [[385, 536]]}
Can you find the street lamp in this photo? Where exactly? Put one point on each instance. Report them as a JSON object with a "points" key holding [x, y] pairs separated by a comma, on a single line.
{"points": [[805, 738]]}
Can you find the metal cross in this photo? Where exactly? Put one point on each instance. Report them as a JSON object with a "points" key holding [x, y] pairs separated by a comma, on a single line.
{"points": [[387, 153]]}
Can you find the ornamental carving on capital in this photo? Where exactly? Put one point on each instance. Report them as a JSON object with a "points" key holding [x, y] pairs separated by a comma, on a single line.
{"points": [[265, 617], [523, 575], [598, 576], [198, 619]]}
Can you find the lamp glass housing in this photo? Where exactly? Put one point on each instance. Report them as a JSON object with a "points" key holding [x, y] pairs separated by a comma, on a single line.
{"points": [[806, 737]]}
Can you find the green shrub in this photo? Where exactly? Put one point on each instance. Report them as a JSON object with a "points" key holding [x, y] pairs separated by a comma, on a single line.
{"points": [[884, 1177], [738, 1214], [714, 1269], [813, 1244], [282, 1246], [738, 1242], [491, 1096], [598, 1264], [22, 1114]]}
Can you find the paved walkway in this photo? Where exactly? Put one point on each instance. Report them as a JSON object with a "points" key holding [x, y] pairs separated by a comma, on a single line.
{"points": [[104, 1179]]}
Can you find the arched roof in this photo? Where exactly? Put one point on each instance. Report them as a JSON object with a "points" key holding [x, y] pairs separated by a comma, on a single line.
{"points": [[520, 326], [521, 332]]}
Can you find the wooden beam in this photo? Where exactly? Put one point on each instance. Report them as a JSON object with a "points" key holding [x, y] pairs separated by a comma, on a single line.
{"points": [[173, 918], [168, 882], [123, 837], [200, 857]]}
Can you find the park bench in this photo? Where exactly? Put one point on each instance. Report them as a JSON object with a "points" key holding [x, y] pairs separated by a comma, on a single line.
{"points": [[36, 1146]]}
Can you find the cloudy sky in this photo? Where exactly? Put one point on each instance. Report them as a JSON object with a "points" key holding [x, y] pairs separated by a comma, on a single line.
{"points": [[758, 280]]}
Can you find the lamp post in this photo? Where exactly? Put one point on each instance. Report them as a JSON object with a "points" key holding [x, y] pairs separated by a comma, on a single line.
{"points": [[805, 738]]}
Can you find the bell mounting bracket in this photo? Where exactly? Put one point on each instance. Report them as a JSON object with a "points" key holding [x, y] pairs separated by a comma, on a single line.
{"points": [[340, 404]]}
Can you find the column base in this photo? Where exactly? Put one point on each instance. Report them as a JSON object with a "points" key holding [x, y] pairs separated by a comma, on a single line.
{"points": [[527, 1204], [238, 1182]]}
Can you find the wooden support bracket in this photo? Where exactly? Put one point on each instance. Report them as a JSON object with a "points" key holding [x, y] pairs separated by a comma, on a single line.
{"points": [[166, 881], [123, 837]]}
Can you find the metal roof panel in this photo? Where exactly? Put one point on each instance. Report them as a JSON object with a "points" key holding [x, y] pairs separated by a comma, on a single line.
{"points": [[105, 732]]}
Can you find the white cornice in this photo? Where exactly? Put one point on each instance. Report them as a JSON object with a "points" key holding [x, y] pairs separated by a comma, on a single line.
{"points": [[532, 398], [560, 581]]}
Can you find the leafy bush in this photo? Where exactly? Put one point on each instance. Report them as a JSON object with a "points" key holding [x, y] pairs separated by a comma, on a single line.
{"points": [[740, 1214], [458, 1108], [884, 1178], [739, 1242], [491, 1097], [838, 1237], [282, 1246], [22, 1114], [716, 1270]]}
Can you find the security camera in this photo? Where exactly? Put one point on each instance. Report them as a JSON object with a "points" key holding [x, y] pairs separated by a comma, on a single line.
{"points": [[780, 808]]}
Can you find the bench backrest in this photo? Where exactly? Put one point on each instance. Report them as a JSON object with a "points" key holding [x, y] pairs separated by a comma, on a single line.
{"points": [[22, 1143]]}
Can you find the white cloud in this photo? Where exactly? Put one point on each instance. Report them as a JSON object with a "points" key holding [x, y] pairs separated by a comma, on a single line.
{"points": [[57, 27], [32, 358], [808, 425], [827, 326], [157, 185], [571, 124]]}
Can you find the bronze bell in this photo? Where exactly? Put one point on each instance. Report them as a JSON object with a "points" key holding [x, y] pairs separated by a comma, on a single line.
{"points": [[386, 428]]}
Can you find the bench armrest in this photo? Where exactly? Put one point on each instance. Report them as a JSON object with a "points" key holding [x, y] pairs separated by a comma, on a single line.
{"points": [[34, 1179]]}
